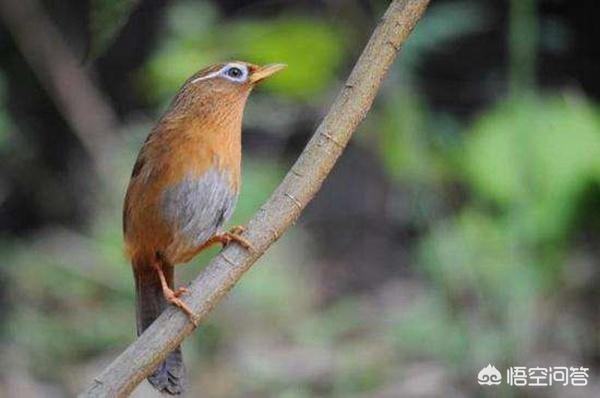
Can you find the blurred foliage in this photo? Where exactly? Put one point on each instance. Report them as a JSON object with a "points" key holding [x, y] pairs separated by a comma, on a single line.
{"points": [[445, 22], [185, 49], [523, 43], [107, 17], [5, 123], [312, 48], [491, 266], [527, 163], [407, 152], [542, 154], [198, 38], [401, 144]]}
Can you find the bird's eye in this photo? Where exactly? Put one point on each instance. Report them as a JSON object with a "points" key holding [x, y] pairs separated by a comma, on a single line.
{"points": [[234, 72]]}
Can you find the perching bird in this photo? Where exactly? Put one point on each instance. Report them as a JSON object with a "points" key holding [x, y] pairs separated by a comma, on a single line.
{"points": [[183, 187]]}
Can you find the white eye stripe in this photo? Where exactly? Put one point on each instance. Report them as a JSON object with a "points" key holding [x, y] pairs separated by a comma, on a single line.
{"points": [[223, 73], [209, 76]]}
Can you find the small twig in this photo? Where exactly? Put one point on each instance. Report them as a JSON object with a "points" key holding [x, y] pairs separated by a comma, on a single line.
{"points": [[275, 216]]}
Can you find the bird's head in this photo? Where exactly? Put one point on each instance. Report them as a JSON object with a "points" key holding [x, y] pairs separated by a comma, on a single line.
{"points": [[222, 88]]}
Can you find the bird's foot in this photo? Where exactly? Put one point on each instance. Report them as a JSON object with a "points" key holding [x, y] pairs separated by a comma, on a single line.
{"points": [[181, 291], [235, 235], [172, 297]]}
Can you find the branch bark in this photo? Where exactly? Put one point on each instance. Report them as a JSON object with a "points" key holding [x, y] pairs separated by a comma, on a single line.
{"points": [[282, 209]]}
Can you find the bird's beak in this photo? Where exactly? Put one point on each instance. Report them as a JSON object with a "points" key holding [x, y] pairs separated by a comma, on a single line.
{"points": [[265, 71]]}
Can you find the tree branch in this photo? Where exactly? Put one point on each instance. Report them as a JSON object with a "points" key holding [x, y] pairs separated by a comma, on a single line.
{"points": [[282, 209]]}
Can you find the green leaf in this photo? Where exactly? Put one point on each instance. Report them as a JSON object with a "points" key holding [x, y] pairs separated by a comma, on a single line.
{"points": [[535, 156]]}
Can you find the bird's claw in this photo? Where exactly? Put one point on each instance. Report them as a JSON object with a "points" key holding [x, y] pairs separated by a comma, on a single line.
{"points": [[172, 297], [235, 235], [181, 291]]}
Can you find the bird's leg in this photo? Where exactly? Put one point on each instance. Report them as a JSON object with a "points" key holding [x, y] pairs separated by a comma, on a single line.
{"points": [[172, 297], [225, 238], [233, 235]]}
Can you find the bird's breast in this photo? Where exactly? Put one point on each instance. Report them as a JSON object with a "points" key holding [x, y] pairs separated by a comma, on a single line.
{"points": [[184, 187], [197, 206]]}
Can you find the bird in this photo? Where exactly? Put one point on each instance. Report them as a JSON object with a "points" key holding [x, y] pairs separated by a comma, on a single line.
{"points": [[183, 188]]}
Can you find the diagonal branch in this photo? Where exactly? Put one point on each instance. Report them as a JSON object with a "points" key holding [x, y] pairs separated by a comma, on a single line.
{"points": [[281, 210]]}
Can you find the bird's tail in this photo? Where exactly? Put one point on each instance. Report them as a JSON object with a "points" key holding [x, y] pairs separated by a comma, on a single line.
{"points": [[150, 302]]}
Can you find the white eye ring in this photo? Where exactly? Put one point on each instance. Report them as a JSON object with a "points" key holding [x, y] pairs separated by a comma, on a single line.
{"points": [[228, 72], [235, 72]]}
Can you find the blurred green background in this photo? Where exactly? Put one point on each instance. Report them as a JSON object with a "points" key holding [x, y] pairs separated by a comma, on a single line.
{"points": [[460, 228]]}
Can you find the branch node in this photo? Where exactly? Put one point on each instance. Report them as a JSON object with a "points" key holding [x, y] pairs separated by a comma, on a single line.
{"points": [[296, 201], [229, 261], [296, 172], [330, 138]]}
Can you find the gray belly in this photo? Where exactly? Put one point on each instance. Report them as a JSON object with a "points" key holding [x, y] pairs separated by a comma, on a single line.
{"points": [[196, 208]]}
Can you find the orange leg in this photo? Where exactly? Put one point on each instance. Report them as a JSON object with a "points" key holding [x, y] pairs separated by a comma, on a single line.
{"points": [[233, 235], [172, 297]]}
